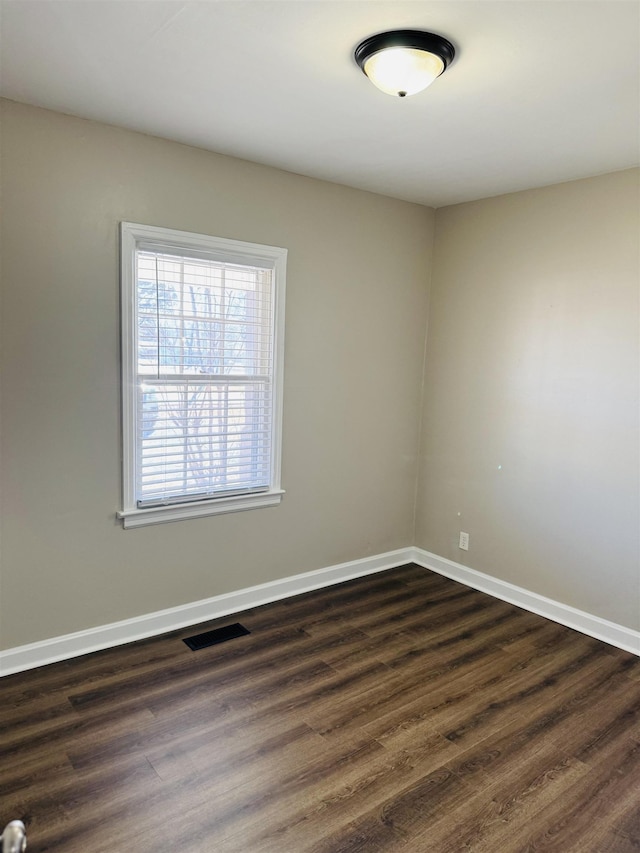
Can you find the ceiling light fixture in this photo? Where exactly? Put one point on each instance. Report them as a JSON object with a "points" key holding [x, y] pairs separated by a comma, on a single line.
{"points": [[403, 62]]}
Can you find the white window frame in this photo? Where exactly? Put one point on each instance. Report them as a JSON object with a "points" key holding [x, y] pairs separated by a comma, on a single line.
{"points": [[135, 237]]}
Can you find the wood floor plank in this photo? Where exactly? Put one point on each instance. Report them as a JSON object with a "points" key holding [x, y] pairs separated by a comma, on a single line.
{"points": [[340, 793], [588, 809]]}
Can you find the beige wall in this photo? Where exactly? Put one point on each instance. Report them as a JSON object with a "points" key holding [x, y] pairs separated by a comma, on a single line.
{"points": [[356, 316], [530, 421], [530, 425]]}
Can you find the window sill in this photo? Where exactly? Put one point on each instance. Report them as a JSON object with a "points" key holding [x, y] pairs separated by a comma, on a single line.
{"points": [[180, 512]]}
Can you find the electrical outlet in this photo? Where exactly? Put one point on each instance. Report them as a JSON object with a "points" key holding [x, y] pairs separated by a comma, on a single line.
{"points": [[463, 542]]}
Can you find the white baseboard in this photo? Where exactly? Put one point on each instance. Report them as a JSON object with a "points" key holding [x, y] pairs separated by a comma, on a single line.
{"points": [[151, 624], [586, 623], [79, 643]]}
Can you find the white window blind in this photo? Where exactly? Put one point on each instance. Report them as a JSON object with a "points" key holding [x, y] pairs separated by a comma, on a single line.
{"points": [[203, 415]]}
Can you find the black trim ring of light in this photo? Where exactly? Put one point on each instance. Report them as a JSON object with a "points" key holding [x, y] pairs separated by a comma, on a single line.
{"points": [[417, 39]]}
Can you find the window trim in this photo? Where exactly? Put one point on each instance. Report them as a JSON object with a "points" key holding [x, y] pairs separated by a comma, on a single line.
{"points": [[134, 237]]}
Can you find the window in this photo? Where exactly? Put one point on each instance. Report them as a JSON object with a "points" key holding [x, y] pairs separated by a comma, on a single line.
{"points": [[202, 352]]}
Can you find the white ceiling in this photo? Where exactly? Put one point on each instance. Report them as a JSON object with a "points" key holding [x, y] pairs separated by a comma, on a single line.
{"points": [[539, 92]]}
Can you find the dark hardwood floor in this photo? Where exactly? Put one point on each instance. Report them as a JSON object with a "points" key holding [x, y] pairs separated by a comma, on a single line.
{"points": [[400, 711]]}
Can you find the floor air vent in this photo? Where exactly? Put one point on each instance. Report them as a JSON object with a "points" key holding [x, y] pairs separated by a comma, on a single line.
{"points": [[219, 635]]}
